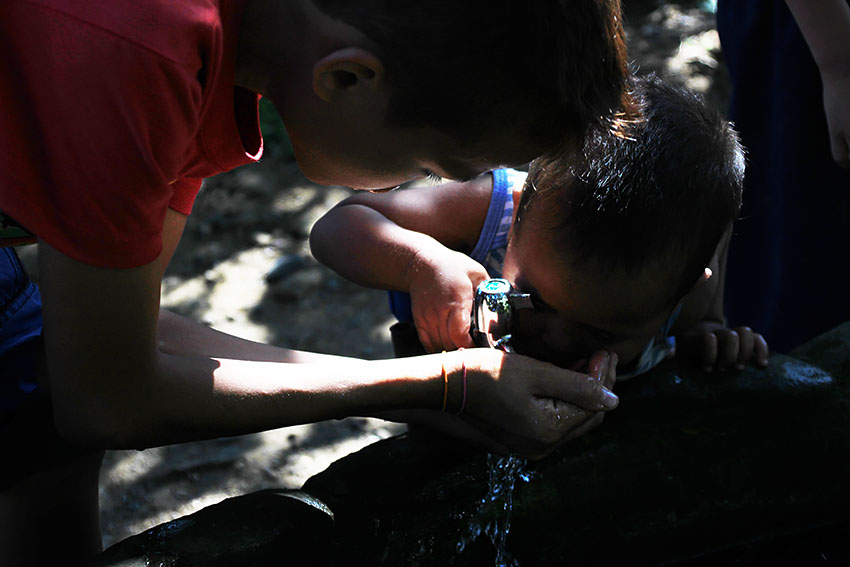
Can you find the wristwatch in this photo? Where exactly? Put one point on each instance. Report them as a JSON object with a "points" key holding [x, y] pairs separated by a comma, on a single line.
{"points": [[493, 313]]}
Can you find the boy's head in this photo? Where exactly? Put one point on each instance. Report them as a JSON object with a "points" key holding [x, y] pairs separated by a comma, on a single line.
{"points": [[612, 239], [504, 81]]}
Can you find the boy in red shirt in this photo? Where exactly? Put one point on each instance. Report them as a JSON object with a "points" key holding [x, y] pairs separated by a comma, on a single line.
{"points": [[111, 114]]}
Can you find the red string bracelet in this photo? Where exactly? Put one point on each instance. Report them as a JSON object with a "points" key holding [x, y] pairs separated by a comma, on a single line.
{"points": [[463, 399]]}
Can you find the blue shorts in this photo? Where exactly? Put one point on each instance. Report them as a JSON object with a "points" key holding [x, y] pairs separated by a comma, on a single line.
{"points": [[28, 433], [20, 332]]}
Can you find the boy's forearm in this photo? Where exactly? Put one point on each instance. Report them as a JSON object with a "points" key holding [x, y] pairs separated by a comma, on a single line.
{"points": [[122, 375], [214, 397], [205, 384], [825, 25], [365, 247], [182, 336]]}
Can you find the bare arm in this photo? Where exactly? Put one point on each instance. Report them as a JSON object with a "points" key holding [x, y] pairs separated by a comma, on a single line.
{"points": [[179, 335], [825, 25], [376, 239], [121, 376], [113, 386], [408, 241]]}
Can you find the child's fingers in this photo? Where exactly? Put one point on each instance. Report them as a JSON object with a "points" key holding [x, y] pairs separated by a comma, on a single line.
{"points": [[426, 338], [441, 334], [709, 351], [761, 349], [458, 332], [462, 340], [746, 340], [610, 377], [728, 347], [432, 328]]}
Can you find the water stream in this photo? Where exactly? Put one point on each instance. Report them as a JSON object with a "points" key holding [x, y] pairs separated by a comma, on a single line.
{"points": [[493, 516]]}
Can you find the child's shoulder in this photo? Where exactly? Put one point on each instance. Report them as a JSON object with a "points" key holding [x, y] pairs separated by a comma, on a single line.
{"points": [[512, 181], [515, 179], [467, 203], [472, 195]]}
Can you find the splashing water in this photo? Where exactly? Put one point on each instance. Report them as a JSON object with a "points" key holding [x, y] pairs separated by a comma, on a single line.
{"points": [[495, 301], [493, 516]]}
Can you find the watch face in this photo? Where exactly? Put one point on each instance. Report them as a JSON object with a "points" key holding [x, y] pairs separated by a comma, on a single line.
{"points": [[491, 312], [495, 301], [495, 285]]}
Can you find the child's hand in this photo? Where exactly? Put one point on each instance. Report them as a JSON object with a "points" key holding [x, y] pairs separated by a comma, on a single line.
{"points": [[441, 294], [714, 346], [517, 404], [532, 407]]}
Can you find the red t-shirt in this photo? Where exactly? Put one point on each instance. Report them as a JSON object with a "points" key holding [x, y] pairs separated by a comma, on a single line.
{"points": [[113, 110]]}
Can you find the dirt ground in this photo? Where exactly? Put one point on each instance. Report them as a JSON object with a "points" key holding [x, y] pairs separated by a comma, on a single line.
{"points": [[244, 267]]}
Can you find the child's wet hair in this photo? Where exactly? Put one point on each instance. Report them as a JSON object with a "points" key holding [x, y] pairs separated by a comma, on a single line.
{"points": [[661, 193], [546, 68]]}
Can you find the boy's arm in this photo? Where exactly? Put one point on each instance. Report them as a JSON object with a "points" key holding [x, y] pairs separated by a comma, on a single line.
{"points": [[701, 331], [408, 241], [825, 25], [122, 377], [372, 238]]}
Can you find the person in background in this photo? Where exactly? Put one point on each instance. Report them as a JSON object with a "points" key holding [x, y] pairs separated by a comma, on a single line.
{"points": [[789, 62]]}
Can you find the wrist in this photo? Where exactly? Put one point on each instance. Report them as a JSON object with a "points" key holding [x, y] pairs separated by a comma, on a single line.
{"points": [[455, 374], [476, 368]]}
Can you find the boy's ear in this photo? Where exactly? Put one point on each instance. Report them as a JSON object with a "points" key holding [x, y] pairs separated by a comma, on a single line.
{"points": [[346, 71]]}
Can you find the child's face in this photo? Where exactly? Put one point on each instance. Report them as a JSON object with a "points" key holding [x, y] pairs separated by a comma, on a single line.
{"points": [[381, 157], [579, 311], [360, 150]]}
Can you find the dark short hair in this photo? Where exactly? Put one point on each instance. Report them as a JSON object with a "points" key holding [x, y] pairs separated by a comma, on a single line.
{"points": [[662, 193], [547, 69]]}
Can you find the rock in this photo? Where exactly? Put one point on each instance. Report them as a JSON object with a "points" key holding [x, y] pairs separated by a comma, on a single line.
{"points": [[829, 351], [688, 466], [692, 469], [280, 527], [284, 267]]}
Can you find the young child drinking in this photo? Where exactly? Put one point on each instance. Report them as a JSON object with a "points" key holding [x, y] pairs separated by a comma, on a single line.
{"points": [[621, 247]]}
